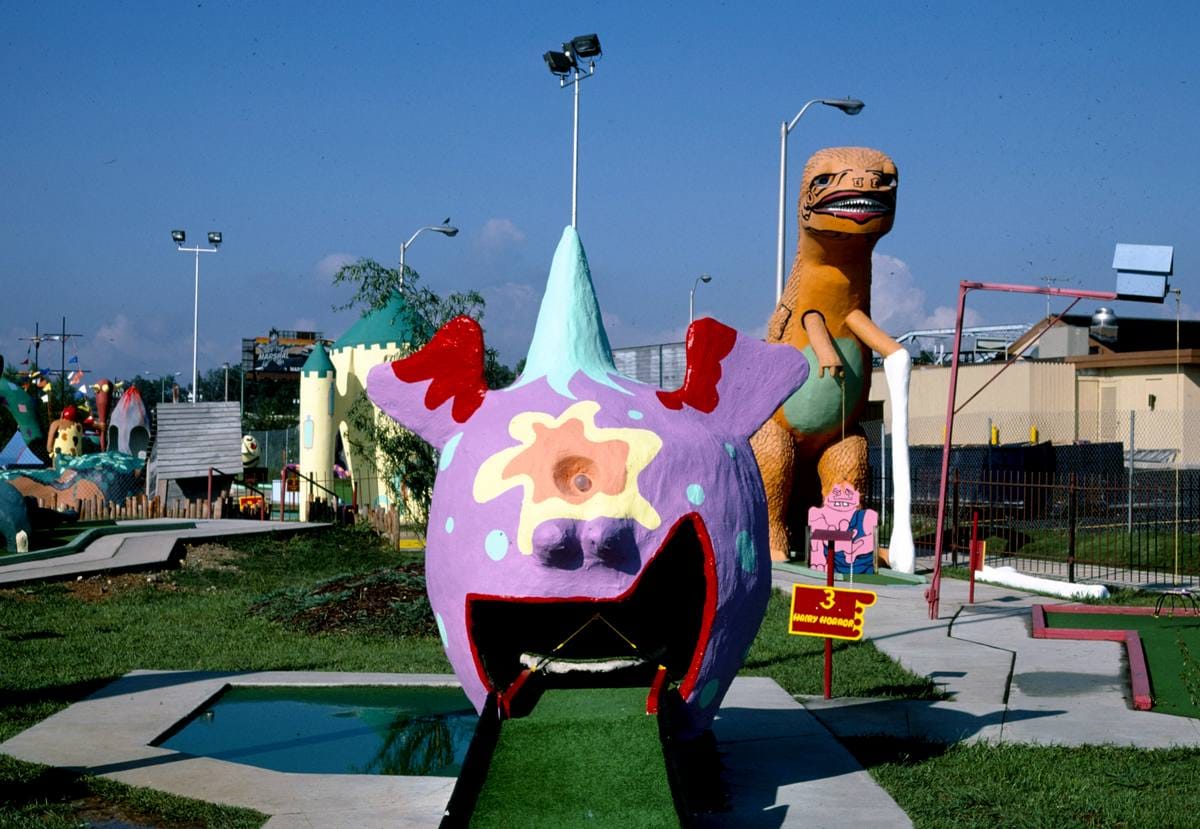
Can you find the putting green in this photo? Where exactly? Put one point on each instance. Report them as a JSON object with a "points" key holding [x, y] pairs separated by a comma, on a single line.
{"points": [[1172, 646], [583, 757]]}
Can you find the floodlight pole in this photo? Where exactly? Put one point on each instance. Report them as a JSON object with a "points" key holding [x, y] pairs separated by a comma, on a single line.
{"points": [[196, 315], [576, 78], [848, 106], [575, 155]]}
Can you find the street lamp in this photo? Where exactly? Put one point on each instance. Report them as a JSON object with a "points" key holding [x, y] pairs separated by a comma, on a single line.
{"points": [[226, 365], [850, 106], [444, 228], [214, 239], [562, 64], [692, 296]]}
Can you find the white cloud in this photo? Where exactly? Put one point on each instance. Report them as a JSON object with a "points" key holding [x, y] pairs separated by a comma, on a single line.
{"points": [[327, 266], [124, 347], [899, 304], [498, 234], [509, 317]]}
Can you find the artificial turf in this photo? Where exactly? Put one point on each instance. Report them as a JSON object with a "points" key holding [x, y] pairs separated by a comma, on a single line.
{"points": [[1172, 646], [582, 757]]}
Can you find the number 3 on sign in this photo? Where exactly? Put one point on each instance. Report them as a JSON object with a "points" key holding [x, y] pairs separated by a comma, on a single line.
{"points": [[830, 599]]}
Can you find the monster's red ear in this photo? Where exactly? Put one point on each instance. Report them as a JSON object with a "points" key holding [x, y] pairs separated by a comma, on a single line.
{"points": [[735, 379], [414, 391]]}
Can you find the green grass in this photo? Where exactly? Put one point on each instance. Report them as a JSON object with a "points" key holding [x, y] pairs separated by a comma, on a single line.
{"points": [[582, 758], [56, 649], [33, 795], [1172, 645], [797, 662], [63, 533], [983, 786]]}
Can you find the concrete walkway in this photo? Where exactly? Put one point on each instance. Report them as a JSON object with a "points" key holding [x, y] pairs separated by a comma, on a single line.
{"points": [[1005, 686], [783, 769], [134, 550]]}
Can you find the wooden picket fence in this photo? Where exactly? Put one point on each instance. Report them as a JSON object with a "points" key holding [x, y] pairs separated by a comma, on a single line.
{"points": [[390, 524], [139, 506]]}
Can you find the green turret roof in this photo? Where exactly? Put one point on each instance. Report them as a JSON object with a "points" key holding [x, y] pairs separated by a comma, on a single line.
{"points": [[318, 362], [396, 323]]}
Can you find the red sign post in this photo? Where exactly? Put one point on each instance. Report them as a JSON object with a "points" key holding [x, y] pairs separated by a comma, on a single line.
{"points": [[831, 612]]}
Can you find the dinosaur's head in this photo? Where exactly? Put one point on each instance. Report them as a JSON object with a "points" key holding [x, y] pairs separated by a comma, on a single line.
{"points": [[847, 193]]}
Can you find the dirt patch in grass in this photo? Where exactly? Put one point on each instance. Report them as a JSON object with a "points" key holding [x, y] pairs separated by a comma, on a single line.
{"points": [[96, 811], [211, 557], [102, 587], [390, 601]]}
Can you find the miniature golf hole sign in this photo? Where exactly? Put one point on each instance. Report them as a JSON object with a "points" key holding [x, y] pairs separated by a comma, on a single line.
{"points": [[834, 612]]}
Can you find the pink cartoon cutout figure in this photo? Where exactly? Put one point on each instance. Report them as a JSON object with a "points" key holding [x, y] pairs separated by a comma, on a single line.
{"points": [[583, 521], [843, 510]]}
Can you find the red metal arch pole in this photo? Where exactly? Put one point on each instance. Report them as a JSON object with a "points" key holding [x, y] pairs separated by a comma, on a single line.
{"points": [[935, 583]]}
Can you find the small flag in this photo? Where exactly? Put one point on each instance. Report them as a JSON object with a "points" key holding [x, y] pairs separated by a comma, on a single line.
{"points": [[83, 389], [74, 361]]}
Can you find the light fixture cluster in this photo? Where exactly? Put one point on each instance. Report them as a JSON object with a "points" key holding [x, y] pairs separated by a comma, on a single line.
{"points": [[179, 237], [565, 61]]}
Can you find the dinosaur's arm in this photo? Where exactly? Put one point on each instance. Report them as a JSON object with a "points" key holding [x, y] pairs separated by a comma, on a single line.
{"points": [[777, 325], [818, 337], [871, 334]]}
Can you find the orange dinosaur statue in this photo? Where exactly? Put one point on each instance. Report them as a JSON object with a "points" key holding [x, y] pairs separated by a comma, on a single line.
{"points": [[814, 441]]}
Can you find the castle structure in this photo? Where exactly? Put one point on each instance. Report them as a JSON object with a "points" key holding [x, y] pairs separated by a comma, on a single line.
{"points": [[332, 380]]}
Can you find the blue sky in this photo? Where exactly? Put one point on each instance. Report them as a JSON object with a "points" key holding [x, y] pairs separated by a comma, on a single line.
{"points": [[1030, 137]]}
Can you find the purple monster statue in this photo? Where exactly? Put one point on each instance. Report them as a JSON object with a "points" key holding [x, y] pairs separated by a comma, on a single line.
{"points": [[582, 520]]}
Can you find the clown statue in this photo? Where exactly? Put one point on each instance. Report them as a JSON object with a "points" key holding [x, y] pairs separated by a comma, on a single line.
{"points": [[66, 436]]}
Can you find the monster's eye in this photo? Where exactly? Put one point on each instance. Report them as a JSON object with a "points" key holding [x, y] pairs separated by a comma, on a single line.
{"points": [[573, 475], [885, 180], [822, 180]]}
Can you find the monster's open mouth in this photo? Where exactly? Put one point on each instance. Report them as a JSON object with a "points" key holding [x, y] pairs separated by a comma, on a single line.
{"points": [[664, 619], [856, 206]]}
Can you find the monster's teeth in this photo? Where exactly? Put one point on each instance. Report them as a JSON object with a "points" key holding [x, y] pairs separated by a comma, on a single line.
{"points": [[558, 665]]}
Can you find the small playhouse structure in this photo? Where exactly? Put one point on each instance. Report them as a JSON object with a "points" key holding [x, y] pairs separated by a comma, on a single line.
{"points": [[191, 441], [330, 383]]}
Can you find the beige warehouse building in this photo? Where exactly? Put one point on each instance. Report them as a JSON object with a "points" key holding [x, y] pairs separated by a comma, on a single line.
{"points": [[1072, 386]]}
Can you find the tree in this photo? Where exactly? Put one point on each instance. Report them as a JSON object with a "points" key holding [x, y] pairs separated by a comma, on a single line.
{"points": [[410, 463]]}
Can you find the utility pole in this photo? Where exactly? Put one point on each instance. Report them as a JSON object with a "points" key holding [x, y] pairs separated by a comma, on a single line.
{"points": [[37, 339]]}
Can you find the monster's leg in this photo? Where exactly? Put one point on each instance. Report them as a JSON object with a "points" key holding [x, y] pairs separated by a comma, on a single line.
{"points": [[775, 451], [844, 460], [901, 553]]}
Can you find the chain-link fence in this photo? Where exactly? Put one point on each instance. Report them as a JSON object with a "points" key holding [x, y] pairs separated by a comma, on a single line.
{"points": [[1125, 509], [277, 448], [1157, 438]]}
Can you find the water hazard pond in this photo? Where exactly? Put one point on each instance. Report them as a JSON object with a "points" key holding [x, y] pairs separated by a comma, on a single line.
{"points": [[409, 730]]}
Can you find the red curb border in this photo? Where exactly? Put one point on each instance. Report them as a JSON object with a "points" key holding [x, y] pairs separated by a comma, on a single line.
{"points": [[1139, 676]]}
